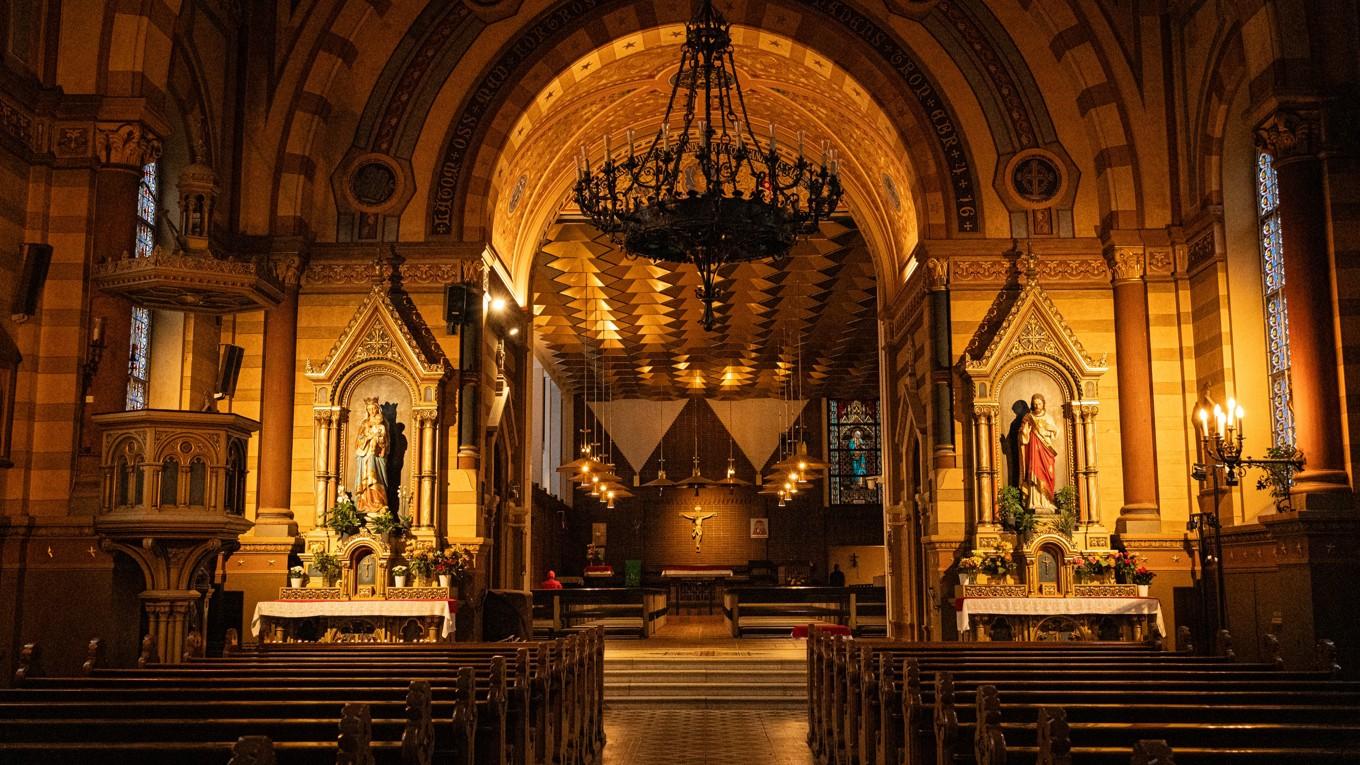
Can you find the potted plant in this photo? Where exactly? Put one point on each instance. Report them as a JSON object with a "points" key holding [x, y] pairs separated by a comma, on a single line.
{"points": [[968, 566], [1066, 502], [1131, 569], [387, 522], [1279, 477], [1013, 514], [422, 565], [328, 566], [345, 519], [399, 575], [295, 576]]}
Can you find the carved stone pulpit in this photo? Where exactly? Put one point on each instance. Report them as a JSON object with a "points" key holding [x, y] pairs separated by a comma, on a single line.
{"points": [[173, 497]]}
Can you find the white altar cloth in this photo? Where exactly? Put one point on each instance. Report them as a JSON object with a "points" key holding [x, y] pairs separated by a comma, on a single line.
{"points": [[966, 607], [304, 609]]}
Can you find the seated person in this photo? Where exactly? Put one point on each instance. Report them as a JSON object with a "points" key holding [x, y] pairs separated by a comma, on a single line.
{"points": [[836, 578], [551, 582]]}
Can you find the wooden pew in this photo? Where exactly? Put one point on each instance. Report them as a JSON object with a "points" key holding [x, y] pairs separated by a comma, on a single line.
{"points": [[290, 685]]}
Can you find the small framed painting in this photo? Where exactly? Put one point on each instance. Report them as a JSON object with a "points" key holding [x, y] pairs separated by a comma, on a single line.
{"points": [[760, 528]]}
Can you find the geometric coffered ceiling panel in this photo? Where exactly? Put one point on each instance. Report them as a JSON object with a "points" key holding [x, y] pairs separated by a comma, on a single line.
{"points": [[612, 326]]}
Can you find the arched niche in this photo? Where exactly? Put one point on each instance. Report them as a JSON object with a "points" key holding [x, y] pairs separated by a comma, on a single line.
{"points": [[388, 353], [1024, 347]]}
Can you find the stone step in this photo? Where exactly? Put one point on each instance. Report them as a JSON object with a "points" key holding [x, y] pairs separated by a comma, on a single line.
{"points": [[752, 666], [707, 690], [708, 702], [702, 675]]}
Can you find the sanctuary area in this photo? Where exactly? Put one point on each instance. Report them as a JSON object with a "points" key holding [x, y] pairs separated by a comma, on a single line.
{"points": [[866, 382]]}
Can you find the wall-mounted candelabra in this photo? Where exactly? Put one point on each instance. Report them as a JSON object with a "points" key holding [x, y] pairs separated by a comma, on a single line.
{"points": [[1221, 447], [94, 353]]}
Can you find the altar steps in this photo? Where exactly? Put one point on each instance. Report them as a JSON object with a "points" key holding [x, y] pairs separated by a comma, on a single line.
{"points": [[706, 681]]}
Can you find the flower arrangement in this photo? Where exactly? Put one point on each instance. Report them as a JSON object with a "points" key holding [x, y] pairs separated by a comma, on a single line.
{"points": [[327, 565], [999, 561], [1131, 569], [594, 555], [970, 564], [1095, 565], [454, 561], [399, 571], [422, 564], [296, 571]]}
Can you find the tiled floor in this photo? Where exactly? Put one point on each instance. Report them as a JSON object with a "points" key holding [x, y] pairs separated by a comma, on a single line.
{"points": [[680, 736]]}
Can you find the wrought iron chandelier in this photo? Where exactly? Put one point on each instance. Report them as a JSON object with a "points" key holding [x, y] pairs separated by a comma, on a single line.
{"points": [[709, 194]]}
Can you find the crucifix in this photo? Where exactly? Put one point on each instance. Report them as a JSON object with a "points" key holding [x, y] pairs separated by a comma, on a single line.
{"points": [[697, 518]]}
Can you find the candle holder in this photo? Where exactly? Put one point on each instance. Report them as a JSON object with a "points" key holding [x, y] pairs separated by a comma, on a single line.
{"points": [[93, 355]]}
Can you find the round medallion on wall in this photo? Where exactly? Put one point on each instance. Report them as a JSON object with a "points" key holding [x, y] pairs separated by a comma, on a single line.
{"points": [[374, 183], [1035, 178]]}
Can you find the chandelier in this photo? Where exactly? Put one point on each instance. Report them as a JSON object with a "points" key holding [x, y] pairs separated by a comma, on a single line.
{"points": [[709, 193]]}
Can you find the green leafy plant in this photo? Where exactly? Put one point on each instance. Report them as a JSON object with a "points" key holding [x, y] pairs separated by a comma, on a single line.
{"points": [[327, 565], [1279, 477], [1013, 514], [1066, 502], [388, 523], [345, 519]]}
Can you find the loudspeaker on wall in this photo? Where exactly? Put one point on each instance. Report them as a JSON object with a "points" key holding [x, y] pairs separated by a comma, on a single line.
{"points": [[37, 259], [228, 370]]}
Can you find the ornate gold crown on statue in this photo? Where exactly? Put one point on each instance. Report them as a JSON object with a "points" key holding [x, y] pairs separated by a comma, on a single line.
{"points": [[371, 400]]}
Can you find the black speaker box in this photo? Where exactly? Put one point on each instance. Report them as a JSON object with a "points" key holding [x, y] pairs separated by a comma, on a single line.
{"points": [[228, 370], [37, 259], [461, 302]]}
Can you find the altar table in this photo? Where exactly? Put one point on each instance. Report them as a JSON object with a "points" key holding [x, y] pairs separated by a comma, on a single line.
{"points": [[967, 608], [340, 620]]}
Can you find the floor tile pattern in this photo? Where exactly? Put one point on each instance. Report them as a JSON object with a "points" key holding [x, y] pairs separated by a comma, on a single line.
{"points": [[681, 736]]}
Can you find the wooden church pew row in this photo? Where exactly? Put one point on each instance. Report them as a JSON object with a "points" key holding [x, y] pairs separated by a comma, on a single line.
{"points": [[550, 709], [481, 688], [200, 741], [830, 738], [996, 741], [836, 734]]}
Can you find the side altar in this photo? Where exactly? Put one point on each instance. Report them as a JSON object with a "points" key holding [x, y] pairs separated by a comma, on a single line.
{"points": [[1038, 538], [367, 567]]}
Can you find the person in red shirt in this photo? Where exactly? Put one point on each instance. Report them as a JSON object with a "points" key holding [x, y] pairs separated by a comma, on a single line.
{"points": [[551, 582]]}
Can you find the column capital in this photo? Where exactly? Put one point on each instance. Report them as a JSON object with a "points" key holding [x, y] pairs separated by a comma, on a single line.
{"points": [[125, 144], [1291, 133], [937, 274], [1127, 264]]}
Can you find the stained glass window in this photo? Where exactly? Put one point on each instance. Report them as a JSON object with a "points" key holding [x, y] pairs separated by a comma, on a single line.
{"points": [[1277, 314], [853, 447], [139, 359]]}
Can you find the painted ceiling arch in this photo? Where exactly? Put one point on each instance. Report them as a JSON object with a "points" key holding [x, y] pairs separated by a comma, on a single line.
{"points": [[624, 86], [965, 27]]}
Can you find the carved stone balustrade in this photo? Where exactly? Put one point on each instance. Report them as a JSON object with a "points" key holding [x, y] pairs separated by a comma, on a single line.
{"points": [[173, 497]]}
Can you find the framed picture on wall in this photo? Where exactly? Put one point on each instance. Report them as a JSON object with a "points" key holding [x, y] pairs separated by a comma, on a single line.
{"points": [[760, 528]]}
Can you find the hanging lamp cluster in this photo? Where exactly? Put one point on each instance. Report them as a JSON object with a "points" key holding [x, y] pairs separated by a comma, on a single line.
{"points": [[708, 193], [593, 468]]}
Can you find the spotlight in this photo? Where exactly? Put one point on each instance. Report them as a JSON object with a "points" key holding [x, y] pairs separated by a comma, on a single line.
{"points": [[514, 331], [498, 304]]}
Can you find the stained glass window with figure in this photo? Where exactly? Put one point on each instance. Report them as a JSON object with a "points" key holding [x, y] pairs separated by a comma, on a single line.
{"points": [[853, 446], [1276, 312], [139, 358]]}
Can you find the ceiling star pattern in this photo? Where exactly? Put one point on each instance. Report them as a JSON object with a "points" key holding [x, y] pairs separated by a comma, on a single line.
{"points": [[602, 316]]}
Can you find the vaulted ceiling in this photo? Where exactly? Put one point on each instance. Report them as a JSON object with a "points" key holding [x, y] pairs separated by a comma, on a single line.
{"points": [[603, 317]]}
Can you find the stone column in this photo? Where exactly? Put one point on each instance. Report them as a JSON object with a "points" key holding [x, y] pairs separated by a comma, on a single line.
{"points": [[277, 383], [942, 368], [427, 418], [1085, 416], [1293, 138], [983, 418], [1137, 443], [120, 152]]}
